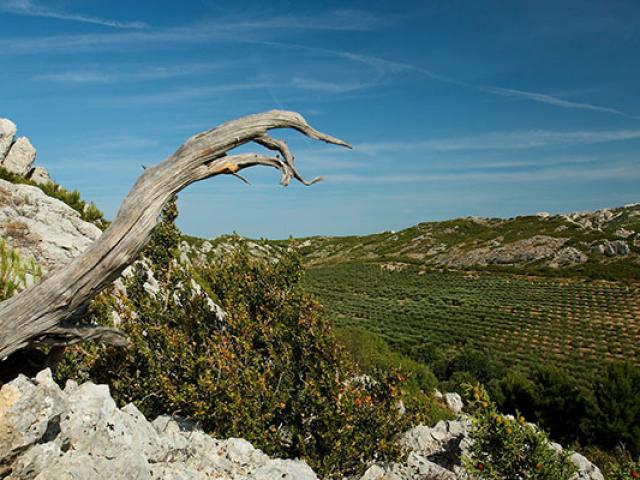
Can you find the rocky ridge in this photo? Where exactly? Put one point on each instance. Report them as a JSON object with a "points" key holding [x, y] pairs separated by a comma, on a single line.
{"points": [[17, 155], [543, 240], [49, 433]]}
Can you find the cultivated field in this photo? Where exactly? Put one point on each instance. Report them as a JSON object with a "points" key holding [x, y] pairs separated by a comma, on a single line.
{"points": [[576, 325]]}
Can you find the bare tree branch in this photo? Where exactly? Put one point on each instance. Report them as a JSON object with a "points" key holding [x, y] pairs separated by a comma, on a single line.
{"points": [[38, 314]]}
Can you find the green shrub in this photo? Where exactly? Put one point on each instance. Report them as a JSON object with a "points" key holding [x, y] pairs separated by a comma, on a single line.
{"points": [[272, 372], [15, 273], [507, 448], [626, 469], [616, 414], [551, 397], [373, 355]]}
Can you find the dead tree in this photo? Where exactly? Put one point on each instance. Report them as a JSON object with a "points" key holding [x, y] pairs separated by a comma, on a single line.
{"points": [[47, 313]]}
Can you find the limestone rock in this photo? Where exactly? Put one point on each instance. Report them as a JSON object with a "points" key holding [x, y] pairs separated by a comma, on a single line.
{"points": [[454, 402], [374, 472], [586, 469], [624, 233], [20, 157], [43, 227], [283, 469], [79, 433], [611, 248], [568, 256], [29, 410], [39, 175], [7, 132]]}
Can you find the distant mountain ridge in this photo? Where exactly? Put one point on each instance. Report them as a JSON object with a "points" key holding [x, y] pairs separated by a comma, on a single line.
{"points": [[572, 243], [603, 244]]}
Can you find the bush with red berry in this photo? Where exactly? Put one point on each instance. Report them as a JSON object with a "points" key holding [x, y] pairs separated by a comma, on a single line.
{"points": [[626, 470], [506, 448]]}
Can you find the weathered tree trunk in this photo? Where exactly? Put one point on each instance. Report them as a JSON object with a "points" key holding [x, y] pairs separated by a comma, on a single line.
{"points": [[45, 313]]}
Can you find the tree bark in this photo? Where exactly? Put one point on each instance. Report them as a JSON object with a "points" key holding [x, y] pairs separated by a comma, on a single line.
{"points": [[46, 313]]}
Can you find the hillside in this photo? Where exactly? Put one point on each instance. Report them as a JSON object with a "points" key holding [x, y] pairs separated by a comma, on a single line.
{"points": [[225, 333], [603, 244]]}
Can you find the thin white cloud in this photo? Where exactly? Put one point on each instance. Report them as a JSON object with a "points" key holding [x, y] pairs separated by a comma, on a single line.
{"points": [[619, 172], [384, 67], [240, 30], [231, 29], [193, 93], [552, 100], [30, 8], [304, 83], [115, 74], [502, 141], [339, 20]]}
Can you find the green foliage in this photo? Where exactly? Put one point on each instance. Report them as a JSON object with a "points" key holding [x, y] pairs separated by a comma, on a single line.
{"points": [[481, 365], [272, 372], [616, 415], [522, 322], [625, 471], [552, 398], [15, 273], [506, 448], [615, 464], [373, 355], [88, 211], [162, 247]]}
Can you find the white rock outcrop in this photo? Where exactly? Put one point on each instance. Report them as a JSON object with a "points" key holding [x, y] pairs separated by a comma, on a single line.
{"points": [[45, 228], [611, 248], [568, 256], [454, 402], [47, 433], [7, 132], [39, 175], [17, 156], [20, 157]]}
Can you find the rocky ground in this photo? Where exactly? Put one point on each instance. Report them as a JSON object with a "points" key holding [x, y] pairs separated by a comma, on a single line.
{"points": [[49, 433]]}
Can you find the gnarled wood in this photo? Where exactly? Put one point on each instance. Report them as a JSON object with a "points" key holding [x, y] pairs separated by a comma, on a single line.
{"points": [[40, 314]]}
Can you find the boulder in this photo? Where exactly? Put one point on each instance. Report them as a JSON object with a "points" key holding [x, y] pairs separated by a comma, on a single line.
{"points": [[39, 175], [7, 132], [617, 247], [611, 248], [568, 256], [454, 402], [20, 157], [30, 411]]}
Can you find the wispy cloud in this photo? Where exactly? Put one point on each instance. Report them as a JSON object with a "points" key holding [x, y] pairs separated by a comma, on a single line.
{"points": [[552, 100], [254, 30], [304, 83], [384, 67], [502, 141], [339, 20], [30, 8], [193, 93], [116, 74], [231, 29], [618, 172]]}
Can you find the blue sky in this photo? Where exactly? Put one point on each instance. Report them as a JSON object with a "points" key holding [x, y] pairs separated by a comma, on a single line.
{"points": [[454, 108]]}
